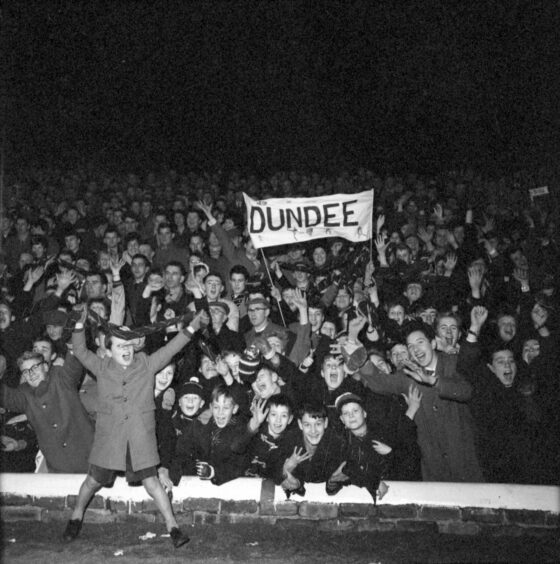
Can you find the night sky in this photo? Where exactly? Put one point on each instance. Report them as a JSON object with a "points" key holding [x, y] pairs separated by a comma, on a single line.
{"points": [[263, 85]]}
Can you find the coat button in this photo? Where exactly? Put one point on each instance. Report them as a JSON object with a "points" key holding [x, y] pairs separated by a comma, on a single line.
{"points": [[55, 426], [125, 399], [44, 406], [435, 408], [64, 445]]}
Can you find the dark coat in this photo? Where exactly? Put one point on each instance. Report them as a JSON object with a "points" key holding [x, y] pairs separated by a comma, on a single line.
{"points": [[444, 421], [63, 427]]}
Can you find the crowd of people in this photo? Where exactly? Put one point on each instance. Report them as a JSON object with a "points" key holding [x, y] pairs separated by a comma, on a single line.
{"points": [[142, 332]]}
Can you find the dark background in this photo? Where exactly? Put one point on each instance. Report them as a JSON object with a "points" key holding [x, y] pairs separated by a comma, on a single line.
{"points": [[421, 85]]}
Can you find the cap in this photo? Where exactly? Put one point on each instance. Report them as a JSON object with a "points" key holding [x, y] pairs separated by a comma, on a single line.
{"points": [[219, 304], [345, 398], [301, 267], [55, 317], [192, 386]]}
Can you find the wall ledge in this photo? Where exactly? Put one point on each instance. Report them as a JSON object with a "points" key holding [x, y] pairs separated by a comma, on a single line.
{"points": [[467, 509]]}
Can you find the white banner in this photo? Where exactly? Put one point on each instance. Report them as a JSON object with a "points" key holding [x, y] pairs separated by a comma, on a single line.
{"points": [[281, 221]]}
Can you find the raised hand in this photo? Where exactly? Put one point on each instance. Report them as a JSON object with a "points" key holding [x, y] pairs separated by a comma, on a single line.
{"points": [[296, 458], [379, 223], [299, 299], [438, 212], [418, 373], [475, 275], [450, 262], [206, 209], [381, 244], [201, 319], [479, 315], [65, 279], [412, 398], [259, 412]]}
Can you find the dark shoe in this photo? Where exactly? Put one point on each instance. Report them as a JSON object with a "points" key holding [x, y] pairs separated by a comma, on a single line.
{"points": [[178, 538], [72, 530]]}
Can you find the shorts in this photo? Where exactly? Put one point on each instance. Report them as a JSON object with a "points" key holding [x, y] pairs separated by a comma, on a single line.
{"points": [[106, 477]]}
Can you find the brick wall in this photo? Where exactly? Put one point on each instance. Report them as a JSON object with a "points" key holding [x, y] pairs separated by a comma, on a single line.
{"points": [[466, 509]]}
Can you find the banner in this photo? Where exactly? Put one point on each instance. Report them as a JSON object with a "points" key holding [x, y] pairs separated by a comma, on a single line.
{"points": [[281, 221]]}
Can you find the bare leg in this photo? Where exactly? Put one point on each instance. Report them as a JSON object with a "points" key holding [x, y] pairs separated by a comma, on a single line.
{"points": [[88, 489], [155, 489]]}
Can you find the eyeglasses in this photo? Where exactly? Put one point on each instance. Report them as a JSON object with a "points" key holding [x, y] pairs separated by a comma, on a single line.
{"points": [[32, 370], [252, 310]]}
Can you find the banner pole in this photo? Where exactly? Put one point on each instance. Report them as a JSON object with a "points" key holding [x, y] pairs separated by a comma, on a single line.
{"points": [[272, 284]]}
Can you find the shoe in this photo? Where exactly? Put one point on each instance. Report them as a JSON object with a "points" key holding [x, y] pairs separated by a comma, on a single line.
{"points": [[72, 530], [178, 538]]}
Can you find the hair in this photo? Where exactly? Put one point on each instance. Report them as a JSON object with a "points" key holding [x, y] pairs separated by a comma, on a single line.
{"points": [[314, 410], [131, 237], [222, 391], [497, 346], [165, 225], [216, 275], [416, 325], [143, 257], [279, 334], [40, 240], [29, 355], [176, 264], [102, 276], [280, 400], [451, 314], [111, 229], [239, 269]]}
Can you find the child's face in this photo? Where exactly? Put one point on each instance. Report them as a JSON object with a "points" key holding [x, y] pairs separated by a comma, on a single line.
{"points": [[122, 351], [313, 428], [190, 404], [265, 383], [333, 373], [278, 418], [164, 378], [223, 409]]}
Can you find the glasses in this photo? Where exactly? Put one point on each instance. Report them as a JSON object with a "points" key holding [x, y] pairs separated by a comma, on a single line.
{"points": [[252, 310], [31, 370]]}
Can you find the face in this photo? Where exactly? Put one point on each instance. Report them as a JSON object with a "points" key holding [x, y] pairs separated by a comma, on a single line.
{"points": [[420, 348], [104, 261], [44, 348], [276, 344], [100, 309], [133, 247], [353, 417], [539, 315], [428, 316], [146, 250], [38, 250], [250, 251], [24, 260], [165, 236], [190, 404], [266, 383], [399, 353], [313, 428], [22, 226], [396, 313], [223, 409], [329, 329], [122, 351], [507, 328], [94, 287], [258, 314], [232, 360], [319, 256], [173, 277], [218, 315], [316, 318], [343, 299], [531, 349], [448, 330], [332, 372], [403, 255], [164, 378], [196, 244], [278, 418], [138, 267], [380, 363], [214, 287], [193, 220], [111, 240], [72, 242], [413, 292], [208, 368], [504, 367], [34, 371], [237, 282], [54, 331]]}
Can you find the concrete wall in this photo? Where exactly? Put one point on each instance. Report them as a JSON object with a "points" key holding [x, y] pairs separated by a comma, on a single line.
{"points": [[449, 508]]}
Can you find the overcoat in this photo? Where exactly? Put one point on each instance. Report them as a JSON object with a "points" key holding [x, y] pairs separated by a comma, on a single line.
{"points": [[126, 407]]}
